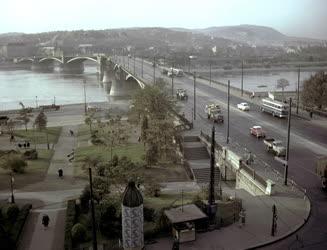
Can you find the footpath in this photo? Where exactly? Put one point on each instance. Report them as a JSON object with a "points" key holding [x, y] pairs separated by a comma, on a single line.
{"points": [[52, 203]]}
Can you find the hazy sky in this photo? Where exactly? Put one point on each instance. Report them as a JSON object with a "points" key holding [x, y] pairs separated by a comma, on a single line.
{"points": [[292, 17]]}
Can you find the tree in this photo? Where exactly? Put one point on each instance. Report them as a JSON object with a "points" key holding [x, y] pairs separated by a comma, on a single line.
{"points": [[24, 115], [14, 162], [282, 84], [314, 93], [89, 119], [41, 121]]}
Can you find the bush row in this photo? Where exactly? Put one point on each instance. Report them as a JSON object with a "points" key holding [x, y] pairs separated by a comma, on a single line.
{"points": [[70, 221], [20, 222]]}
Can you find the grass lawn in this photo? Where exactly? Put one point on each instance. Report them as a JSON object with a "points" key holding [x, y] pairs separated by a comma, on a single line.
{"points": [[40, 137], [34, 172], [168, 200], [134, 151]]}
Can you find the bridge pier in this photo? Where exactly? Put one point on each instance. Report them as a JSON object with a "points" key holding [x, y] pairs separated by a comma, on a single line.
{"points": [[44, 67], [72, 68]]}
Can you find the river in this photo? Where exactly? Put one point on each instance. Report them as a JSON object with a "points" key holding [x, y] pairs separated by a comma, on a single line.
{"points": [[36, 88], [261, 80]]}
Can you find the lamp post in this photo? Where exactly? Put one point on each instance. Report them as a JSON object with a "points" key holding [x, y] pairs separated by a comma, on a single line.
{"points": [[194, 96], [288, 141], [172, 81], [134, 65], [36, 104], [154, 70], [242, 79], [228, 100], [12, 187], [298, 91], [85, 109], [142, 67], [94, 234]]}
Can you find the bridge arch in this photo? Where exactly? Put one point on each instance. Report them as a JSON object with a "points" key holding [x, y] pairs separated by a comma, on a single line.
{"points": [[129, 76], [116, 67], [50, 59], [81, 59], [21, 60]]}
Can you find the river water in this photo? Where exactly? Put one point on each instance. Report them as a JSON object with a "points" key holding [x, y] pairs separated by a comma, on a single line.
{"points": [[36, 88], [261, 81]]}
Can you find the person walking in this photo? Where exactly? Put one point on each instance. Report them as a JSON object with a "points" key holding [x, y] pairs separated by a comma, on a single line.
{"points": [[45, 221]]}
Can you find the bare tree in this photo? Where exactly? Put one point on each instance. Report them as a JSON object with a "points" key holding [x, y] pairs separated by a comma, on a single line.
{"points": [[314, 93], [282, 84]]}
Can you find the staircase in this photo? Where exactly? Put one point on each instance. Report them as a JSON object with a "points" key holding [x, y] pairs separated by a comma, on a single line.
{"points": [[197, 156]]}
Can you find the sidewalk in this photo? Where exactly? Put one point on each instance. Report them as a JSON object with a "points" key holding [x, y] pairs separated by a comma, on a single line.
{"points": [[34, 236], [293, 210]]}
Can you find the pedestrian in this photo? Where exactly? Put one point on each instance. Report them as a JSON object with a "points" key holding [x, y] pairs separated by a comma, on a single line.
{"points": [[60, 172], [71, 132], [242, 218], [45, 221]]}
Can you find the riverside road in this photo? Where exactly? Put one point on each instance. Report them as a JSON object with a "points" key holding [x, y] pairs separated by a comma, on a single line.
{"points": [[308, 140]]}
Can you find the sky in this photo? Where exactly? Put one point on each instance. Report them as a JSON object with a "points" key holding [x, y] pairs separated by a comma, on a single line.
{"points": [[302, 18]]}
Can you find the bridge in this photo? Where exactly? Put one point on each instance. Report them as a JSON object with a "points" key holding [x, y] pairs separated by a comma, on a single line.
{"points": [[125, 82], [69, 64]]}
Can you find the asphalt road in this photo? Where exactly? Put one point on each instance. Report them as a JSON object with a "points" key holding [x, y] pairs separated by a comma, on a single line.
{"points": [[307, 141]]}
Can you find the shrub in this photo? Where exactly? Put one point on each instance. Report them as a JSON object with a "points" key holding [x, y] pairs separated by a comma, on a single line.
{"points": [[20, 221], [84, 198], [10, 212], [70, 221], [30, 154], [78, 233], [152, 188], [14, 163], [149, 214]]}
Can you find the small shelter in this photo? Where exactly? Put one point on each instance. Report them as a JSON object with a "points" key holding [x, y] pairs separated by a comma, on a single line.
{"points": [[185, 221]]}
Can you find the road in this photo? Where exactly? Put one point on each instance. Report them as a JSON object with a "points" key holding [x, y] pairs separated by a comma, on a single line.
{"points": [[308, 140]]}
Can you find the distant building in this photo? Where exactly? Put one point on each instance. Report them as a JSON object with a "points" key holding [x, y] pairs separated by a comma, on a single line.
{"points": [[12, 50], [86, 49]]}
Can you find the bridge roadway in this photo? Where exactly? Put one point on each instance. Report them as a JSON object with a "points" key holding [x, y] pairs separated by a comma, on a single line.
{"points": [[308, 140]]}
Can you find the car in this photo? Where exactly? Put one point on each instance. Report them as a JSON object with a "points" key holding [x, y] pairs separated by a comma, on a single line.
{"points": [[243, 106], [257, 131]]}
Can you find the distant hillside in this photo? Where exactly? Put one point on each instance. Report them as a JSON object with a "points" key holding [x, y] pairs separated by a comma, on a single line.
{"points": [[249, 34]]}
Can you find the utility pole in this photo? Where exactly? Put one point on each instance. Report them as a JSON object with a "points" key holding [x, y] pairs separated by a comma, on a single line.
{"points": [[154, 70], [298, 90], [210, 72], [228, 100], [242, 79], [274, 221], [172, 81], [128, 61], [12, 187], [142, 67], [288, 141], [85, 109], [194, 96], [134, 65], [94, 233]]}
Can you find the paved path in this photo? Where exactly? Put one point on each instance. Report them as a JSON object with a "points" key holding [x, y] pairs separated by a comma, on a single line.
{"points": [[34, 236]]}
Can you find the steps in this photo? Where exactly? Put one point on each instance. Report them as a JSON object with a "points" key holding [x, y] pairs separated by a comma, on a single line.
{"points": [[202, 175], [196, 154]]}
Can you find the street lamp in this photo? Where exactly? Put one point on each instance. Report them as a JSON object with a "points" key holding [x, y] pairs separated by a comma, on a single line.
{"points": [[36, 104], [85, 109], [12, 187]]}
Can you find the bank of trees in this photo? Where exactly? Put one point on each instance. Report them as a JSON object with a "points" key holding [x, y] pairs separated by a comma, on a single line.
{"points": [[151, 108], [314, 93]]}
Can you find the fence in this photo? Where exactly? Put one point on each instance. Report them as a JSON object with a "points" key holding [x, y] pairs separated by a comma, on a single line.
{"points": [[253, 173]]}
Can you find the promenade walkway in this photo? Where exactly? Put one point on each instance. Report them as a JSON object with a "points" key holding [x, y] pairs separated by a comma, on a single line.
{"points": [[34, 236]]}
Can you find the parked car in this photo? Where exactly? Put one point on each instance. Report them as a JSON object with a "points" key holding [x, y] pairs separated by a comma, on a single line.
{"points": [[257, 131], [243, 106]]}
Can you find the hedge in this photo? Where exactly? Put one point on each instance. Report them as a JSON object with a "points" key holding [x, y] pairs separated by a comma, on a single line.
{"points": [[20, 222], [70, 221]]}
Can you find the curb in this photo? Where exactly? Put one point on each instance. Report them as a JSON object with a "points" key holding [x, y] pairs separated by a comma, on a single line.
{"points": [[282, 237]]}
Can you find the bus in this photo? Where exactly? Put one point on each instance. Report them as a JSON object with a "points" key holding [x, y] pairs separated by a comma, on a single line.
{"points": [[276, 108]]}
